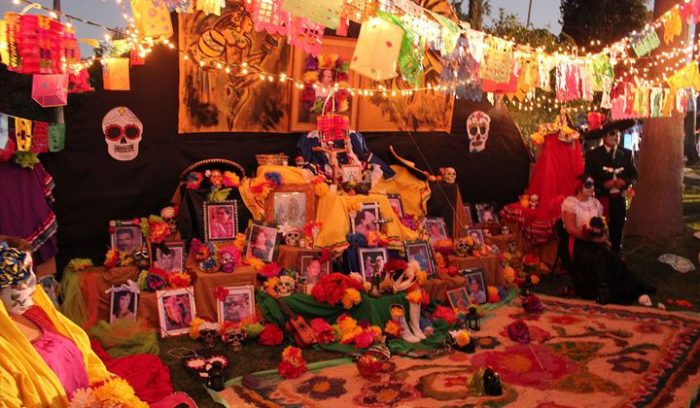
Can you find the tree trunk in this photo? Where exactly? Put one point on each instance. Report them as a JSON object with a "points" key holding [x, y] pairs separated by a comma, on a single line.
{"points": [[657, 208], [475, 14]]}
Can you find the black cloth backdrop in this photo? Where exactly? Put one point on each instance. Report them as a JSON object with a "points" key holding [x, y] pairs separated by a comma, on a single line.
{"points": [[92, 188]]}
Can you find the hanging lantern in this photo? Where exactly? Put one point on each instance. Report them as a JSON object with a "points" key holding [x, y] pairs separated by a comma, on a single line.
{"points": [[115, 74], [50, 90], [152, 19], [377, 50], [71, 49]]}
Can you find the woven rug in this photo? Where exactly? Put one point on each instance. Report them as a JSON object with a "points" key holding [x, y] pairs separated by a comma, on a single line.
{"points": [[581, 355]]}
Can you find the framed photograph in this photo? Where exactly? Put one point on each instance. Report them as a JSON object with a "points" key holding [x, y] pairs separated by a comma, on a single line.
{"points": [[396, 203], [320, 74], [262, 242], [486, 212], [175, 310], [351, 174], [220, 220], [238, 305], [372, 261], [125, 235], [292, 204], [458, 299], [421, 252], [123, 303], [477, 235], [311, 269], [476, 287], [169, 257], [366, 219], [436, 229]]}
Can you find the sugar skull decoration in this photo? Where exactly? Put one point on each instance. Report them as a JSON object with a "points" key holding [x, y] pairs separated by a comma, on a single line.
{"points": [[286, 286], [123, 132], [478, 126], [534, 201], [293, 237], [449, 175]]}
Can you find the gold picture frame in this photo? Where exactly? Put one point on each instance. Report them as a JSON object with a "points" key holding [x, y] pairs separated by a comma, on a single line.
{"points": [[294, 204]]}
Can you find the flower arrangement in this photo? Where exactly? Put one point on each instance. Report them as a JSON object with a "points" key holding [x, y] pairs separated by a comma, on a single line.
{"points": [[197, 325], [332, 288], [446, 314], [292, 364], [271, 286], [270, 270], [154, 229], [324, 331], [205, 254], [256, 263], [361, 335], [351, 298], [114, 258], [151, 281], [115, 392], [461, 337], [179, 279], [493, 295], [418, 296], [392, 329], [271, 335], [444, 246]]}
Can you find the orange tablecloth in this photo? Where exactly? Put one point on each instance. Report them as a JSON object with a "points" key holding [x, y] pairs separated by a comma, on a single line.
{"points": [[97, 280], [289, 257], [493, 273]]}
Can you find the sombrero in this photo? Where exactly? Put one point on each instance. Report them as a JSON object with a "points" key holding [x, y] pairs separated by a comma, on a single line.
{"points": [[599, 125], [409, 165]]}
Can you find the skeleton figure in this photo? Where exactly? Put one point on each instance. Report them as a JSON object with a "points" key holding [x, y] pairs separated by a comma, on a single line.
{"points": [[534, 201], [478, 125], [235, 336], [286, 286], [123, 132], [449, 174], [292, 238]]}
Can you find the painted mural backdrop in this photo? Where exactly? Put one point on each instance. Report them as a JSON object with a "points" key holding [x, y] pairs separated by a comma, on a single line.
{"points": [[212, 100], [423, 111]]}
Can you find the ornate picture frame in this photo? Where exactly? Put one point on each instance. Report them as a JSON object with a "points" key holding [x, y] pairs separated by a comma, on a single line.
{"points": [[220, 220], [291, 203], [238, 305]]}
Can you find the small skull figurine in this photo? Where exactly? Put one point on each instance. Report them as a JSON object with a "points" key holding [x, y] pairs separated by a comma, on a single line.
{"points": [[286, 286], [168, 215], [292, 238], [449, 175], [238, 337], [208, 337], [299, 161], [505, 230], [461, 247], [227, 261], [534, 201]]}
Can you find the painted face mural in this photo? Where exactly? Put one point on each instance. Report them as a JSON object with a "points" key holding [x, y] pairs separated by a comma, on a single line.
{"points": [[123, 132], [478, 125]]}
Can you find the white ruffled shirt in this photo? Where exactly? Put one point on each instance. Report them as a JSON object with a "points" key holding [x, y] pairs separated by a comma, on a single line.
{"points": [[584, 210]]}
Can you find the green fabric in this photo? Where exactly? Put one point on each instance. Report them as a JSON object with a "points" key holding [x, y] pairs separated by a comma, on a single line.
{"points": [[373, 310], [125, 337], [73, 305]]}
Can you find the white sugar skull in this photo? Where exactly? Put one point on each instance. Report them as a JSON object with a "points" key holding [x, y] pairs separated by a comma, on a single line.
{"points": [[449, 174], [292, 238], [478, 125], [285, 287], [461, 247], [534, 201], [123, 132], [168, 215]]}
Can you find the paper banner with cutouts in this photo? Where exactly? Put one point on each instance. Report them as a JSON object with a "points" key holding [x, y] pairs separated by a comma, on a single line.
{"points": [[461, 68], [476, 44], [57, 137], [115, 74], [40, 137], [645, 42], [23, 134], [686, 77], [545, 65], [326, 12], [673, 26], [497, 62], [450, 33], [152, 18]]}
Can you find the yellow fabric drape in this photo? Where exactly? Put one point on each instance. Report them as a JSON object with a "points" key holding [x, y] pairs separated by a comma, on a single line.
{"points": [[256, 202], [25, 379], [414, 193]]}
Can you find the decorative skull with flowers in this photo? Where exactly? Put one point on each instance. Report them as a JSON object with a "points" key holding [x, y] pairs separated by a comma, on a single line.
{"points": [[463, 246], [123, 132], [478, 126], [235, 336], [285, 286]]}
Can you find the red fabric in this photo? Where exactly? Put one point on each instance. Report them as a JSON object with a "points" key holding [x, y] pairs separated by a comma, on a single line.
{"points": [[146, 373], [40, 318], [606, 206], [554, 176]]}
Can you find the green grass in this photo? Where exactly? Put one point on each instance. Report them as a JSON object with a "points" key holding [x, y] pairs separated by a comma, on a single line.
{"points": [[641, 257]]}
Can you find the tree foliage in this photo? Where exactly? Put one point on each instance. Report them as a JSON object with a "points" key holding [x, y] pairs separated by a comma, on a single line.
{"points": [[604, 20], [475, 12]]}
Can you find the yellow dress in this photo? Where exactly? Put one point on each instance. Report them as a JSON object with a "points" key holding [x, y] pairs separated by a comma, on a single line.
{"points": [[25, 379]]}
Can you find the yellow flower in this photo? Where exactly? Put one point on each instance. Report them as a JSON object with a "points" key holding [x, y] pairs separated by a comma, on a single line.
{"points": [[355, 207], [509, 274], [346, 325], [351, 298], [537, 138], [255, 263], [469, 241], [421, 276], [310, 76], [239, 242], [534, 279], [461, 338], [194, 327], [377, 333], [415, 296], [117, 390], [270, 286]]}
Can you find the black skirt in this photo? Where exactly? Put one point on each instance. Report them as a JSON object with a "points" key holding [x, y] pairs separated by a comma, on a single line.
{"points": [[597, 270]]}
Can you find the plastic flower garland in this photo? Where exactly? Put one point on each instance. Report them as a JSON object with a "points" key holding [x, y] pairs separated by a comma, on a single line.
{"points": [[316, 69], [392, 328], [154, 228], [179, 279], [114, 258], [350, 332], [292, 364], [324, 331], [446, 314], [197, 325]]}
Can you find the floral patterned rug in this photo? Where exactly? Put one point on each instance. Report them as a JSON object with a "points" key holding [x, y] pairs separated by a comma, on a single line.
{"points": [[581, 355]]}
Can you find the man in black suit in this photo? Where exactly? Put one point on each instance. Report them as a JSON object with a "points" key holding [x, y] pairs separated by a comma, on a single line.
{"points": [[612, 169]]}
